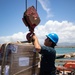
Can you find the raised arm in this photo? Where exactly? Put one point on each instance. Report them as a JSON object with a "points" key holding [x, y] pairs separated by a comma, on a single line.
{"points": [[36, 43]]}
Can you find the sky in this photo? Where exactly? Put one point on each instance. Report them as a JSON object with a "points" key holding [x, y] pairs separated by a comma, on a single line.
{"points": [[56, 16]]}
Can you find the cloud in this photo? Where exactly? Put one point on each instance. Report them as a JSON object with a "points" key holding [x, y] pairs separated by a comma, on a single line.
{"points": [[13, 38], [64, 29], [45, 5]]}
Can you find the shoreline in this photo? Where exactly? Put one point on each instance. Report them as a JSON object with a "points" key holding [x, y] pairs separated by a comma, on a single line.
{"points": [[65, 47]]}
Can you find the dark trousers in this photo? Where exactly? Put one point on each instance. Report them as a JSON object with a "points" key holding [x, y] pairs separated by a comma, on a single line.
{"points": [[47, 73]]}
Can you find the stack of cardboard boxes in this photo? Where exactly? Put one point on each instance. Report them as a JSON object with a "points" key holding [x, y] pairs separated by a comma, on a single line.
{"points": [[22, 59]]}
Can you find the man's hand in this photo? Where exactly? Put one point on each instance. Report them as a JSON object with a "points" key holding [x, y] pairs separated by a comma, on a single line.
{"points": [[36, 43], [34, 37]]}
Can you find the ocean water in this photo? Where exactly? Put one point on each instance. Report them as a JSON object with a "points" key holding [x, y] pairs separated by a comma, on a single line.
{"points": [[64, 50]]}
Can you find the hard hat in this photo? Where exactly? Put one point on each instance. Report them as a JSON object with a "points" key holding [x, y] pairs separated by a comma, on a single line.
{"points": [[53, 37]]}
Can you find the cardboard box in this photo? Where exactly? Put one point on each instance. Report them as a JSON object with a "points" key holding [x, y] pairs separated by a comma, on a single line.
{"points": [[23, 60]]}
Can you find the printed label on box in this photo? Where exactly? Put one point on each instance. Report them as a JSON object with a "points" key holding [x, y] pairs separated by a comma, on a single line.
{"points": [[14, 48], [34, 74], [24, 61]]}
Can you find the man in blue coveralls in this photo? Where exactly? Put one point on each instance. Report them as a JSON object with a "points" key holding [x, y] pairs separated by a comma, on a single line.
{"points": [[48, 53]]}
